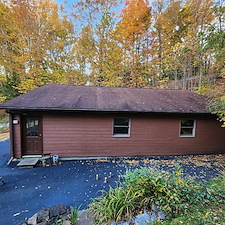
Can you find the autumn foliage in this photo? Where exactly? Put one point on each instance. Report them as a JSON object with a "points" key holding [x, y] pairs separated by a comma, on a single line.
{"points": [[176, 44]]}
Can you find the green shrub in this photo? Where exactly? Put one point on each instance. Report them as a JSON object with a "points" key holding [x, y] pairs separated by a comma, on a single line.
{"points": [[142, 188], [216, 188], [210, 211], [169, 191], [117, 204]]}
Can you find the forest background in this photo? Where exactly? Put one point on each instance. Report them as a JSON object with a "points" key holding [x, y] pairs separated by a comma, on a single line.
{"points": [[127, 43]]}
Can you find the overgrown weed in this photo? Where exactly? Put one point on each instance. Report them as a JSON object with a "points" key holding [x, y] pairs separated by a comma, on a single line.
{"points": [[172, 193], [74, 214]]}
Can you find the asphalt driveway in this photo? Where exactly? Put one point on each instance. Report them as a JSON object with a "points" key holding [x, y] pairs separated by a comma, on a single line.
{"points": [[74, 182]]}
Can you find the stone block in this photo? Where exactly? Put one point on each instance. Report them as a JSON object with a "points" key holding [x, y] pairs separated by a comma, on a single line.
{"points": [[59, 210], [43, 223], [52, 220], [32, 220], [66, 222], [43, 215], [142, 219]]}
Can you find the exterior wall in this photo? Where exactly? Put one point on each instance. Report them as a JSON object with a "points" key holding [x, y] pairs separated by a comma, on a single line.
{"points": [[86, 135], [16, 142]]}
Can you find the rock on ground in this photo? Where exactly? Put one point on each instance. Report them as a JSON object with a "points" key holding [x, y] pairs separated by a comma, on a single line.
{"points": [[49, 216], [85, 218]]}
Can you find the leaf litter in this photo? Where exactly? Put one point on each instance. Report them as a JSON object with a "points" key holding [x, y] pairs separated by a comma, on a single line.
{"points": [[201, 167]]}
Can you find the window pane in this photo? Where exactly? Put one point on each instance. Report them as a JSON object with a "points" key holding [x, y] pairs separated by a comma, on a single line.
{"points": [[32, 128], [186, 131], [31, 124], [28, 133], [35, 133], [121, 121], [187, 123], [121, 130]]}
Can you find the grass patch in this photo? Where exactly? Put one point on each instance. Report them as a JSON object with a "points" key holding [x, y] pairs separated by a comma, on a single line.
{"points": [[74, 214], [116, 204], [183, 200]]}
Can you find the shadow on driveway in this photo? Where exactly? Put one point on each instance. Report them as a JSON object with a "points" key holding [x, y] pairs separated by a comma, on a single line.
{"points": [[74, 182]]}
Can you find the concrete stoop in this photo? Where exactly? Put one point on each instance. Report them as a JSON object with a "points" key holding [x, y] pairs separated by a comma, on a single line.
{"points": [[28, 162]]}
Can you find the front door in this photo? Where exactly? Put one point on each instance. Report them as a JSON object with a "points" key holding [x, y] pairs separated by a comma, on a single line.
{"points": [[32, 136]]}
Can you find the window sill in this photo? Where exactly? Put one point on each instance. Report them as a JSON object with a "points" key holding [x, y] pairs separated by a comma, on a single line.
{"points": [[121, 135], [187, 136]]}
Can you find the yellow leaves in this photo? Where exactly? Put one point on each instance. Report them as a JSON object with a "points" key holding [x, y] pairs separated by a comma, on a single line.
{"points": [[57, 77], [166, 79], [2, 99], [35, 44], [135, 20], [2, 78], [163, 83], [222, 74], [26, 85], [217, 97], [148, 47]]}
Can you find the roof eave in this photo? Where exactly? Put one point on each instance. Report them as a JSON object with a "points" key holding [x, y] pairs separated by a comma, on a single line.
{"points": [[99, 110]]}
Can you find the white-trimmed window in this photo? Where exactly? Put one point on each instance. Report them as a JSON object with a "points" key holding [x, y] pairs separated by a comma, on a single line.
{"points": [[121, 127], [187, 128]]}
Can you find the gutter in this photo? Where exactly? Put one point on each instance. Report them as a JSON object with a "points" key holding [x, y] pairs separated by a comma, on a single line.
{"points": [[31, 109]]}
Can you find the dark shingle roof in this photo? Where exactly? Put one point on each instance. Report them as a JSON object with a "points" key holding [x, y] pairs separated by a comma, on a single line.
{"points": [[109, 99]]}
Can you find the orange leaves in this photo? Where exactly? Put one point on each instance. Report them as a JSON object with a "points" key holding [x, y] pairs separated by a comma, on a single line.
{"points": [[135, 20], [135, 43]]}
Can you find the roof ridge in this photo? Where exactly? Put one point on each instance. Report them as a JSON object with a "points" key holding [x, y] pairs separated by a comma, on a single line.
{"points": [[135, 88]]}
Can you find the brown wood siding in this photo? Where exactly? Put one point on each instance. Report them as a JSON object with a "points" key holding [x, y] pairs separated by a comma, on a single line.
{"points": [[86, 135], [17, 137]]}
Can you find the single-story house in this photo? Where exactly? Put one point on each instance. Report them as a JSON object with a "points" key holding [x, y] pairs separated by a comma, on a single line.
{"points": [[85, 121]]}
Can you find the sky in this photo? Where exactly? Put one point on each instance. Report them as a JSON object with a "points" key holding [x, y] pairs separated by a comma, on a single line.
{"points": [[69, 10]]}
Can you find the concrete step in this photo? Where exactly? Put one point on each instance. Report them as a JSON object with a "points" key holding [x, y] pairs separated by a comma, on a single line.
{"points": [[28, 163], [31, 156]]}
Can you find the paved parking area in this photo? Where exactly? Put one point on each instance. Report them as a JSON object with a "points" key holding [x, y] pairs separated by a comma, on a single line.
{"points": [[74, 182]]}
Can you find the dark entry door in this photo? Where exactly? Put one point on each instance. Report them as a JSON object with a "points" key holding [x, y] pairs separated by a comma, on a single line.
{"points": [[32, 136]]}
